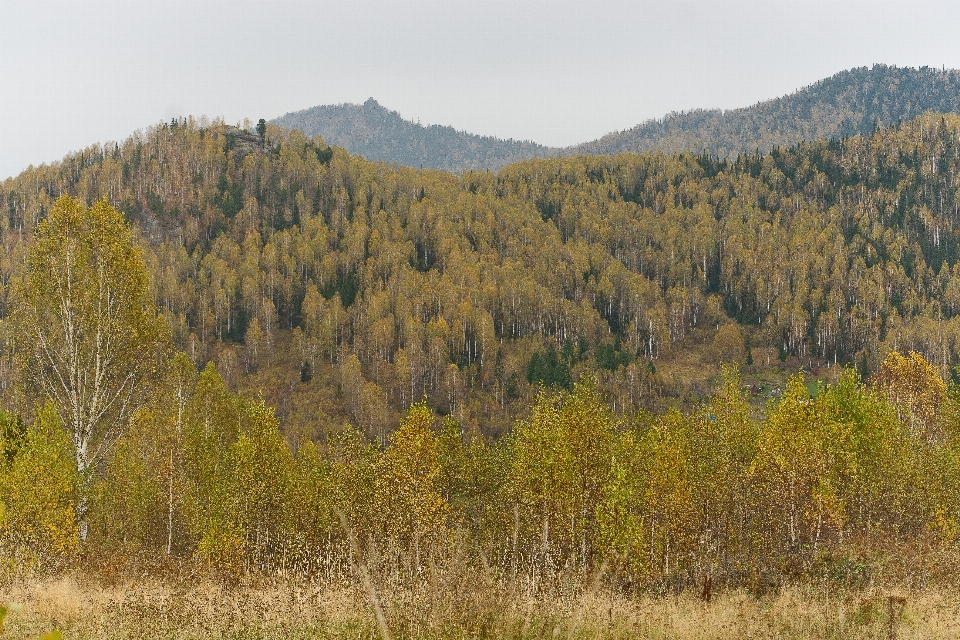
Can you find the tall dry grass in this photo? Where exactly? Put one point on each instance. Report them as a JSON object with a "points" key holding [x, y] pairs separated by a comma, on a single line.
{"points": [[470, 605], [904, 590]]}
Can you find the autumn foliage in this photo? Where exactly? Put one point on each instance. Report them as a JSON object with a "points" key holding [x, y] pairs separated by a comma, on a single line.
{"points": [[379, 366], [719, 491]]}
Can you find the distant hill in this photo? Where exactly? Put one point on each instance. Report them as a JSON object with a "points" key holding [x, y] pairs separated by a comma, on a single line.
{"points": [[848, 103], [377, 133]]}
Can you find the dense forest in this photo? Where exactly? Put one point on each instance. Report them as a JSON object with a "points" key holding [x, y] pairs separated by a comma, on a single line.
{"points": [[377, 133], [347, 290], [521, 367]]}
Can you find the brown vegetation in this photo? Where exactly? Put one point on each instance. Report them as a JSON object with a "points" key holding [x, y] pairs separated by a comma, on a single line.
{"points": [[470, 606]]}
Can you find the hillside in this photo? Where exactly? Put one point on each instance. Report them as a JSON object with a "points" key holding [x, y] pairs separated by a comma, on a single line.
{"points": [[376, 133], [849, 103], [394, 284]]}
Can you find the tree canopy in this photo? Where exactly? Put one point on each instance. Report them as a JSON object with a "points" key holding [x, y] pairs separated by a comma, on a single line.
{"points": [[535, 367], [394, 284]]}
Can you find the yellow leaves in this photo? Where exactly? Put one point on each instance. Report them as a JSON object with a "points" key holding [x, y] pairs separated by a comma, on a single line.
{"points": [[243, 491], [826, 502], [222, 548], [622, 529], [37, 493], [914, 387], [93, 341], [792, 466], [560, 465], [408, 479], [728, 345], [823, 461], [669, 493], [715, 488], [945, 525]]}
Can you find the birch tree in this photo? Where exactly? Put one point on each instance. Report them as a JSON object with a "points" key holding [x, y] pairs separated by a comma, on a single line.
{"points": [[93, 335]]}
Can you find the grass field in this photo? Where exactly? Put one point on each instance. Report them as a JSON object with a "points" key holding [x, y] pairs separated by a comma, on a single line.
{"points": [[147, 609]]}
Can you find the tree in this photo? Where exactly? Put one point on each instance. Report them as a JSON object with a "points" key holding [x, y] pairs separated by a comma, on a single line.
{"points": [[262, 130], [561, 458], [546, 369], [410, 505], [914, 388], [729, 344], [94, 338], [37, 487]]}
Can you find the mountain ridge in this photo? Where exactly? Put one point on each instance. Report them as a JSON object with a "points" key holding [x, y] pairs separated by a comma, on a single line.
{"points": [[850, 102], [378, 133]]}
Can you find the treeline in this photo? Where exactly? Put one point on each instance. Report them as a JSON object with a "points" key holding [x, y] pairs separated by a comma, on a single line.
{"points": [[347, 290], [204, 477]]}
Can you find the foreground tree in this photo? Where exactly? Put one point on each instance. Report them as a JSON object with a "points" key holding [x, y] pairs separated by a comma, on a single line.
{"points": [[915, 389], [94, 338]]}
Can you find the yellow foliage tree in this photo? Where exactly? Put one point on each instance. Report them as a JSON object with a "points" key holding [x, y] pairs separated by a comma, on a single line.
{"points": [[561, 463], [797, 490], [38, 495], [915, 388], [410, 504], [93, 337]]}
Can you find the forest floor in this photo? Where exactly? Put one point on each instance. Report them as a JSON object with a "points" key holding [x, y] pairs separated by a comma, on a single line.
{"points": [[82, 609]]}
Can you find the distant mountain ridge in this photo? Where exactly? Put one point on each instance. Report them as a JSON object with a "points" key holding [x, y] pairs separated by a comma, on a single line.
{"points": [[377, 133], [848, 103]]}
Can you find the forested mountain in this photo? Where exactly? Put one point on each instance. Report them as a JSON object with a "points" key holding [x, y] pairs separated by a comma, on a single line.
{"points": [[376, 133], [851, 102], [346, 290], [848, 103]]}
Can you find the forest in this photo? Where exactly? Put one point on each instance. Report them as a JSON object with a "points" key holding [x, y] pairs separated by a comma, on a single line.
{"points": [[329, 369], [346, 290]]}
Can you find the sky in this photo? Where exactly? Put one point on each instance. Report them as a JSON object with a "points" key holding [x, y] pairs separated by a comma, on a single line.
{"points": [[75, 73]]}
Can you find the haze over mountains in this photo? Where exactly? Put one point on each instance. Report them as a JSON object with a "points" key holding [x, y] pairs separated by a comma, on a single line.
{"points": [[377, 133], [845, 104], [848, 103]]}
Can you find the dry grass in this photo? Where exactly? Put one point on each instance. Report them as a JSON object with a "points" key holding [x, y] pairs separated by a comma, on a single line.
{"points": [[431, 609]]}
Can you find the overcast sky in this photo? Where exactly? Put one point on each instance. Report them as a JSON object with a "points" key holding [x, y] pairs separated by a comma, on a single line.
{"points": [[76, 73]]}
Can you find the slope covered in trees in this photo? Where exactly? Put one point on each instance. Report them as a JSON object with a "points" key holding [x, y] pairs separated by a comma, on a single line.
{"points": [[347, 290], [376, 133], [851, 102]]}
